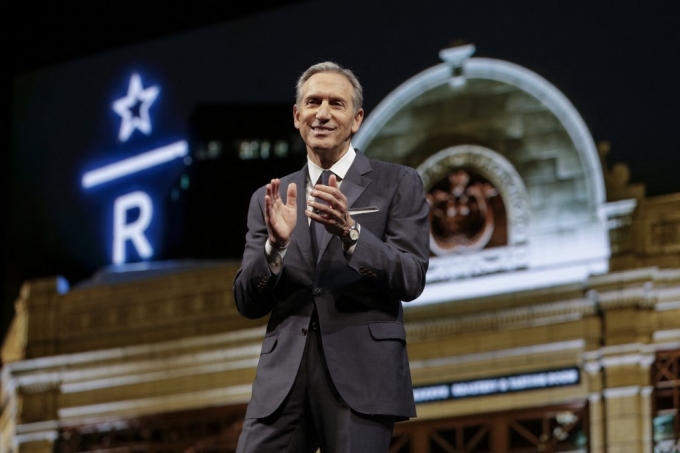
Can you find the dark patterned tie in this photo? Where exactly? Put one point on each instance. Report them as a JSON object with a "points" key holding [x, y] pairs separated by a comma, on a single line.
{"points": [[316, 229]]}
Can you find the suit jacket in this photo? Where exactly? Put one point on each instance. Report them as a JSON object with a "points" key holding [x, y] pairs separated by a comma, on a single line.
{"points": [[359, 301]]}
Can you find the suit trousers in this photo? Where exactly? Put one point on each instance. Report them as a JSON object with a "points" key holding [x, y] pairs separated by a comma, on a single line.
{"points": [[313, 415]]}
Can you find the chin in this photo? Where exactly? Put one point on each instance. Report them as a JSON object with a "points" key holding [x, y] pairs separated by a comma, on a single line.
{"points": [[321, 144]]}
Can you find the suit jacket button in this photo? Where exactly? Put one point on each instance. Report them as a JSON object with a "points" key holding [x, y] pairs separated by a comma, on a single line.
{"points": [[304, 331], [317, 290]]}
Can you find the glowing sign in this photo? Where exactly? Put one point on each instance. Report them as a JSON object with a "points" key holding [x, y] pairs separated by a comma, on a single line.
{"points": [[497, 385], [133, 213], [134, 108], [132, 231], [135, 164]]}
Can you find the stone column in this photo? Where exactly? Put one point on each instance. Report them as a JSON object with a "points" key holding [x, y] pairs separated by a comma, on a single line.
{"points": [[627, 400]]}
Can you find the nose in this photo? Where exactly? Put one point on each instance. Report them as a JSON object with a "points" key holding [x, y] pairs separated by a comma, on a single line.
{"points": [[324, 111]]}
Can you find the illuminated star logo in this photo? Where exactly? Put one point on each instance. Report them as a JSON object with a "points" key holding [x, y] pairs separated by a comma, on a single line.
{"points": [[134, 108]]}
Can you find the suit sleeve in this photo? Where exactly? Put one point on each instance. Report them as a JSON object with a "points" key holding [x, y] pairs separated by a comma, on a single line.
{"points": [[398, 262], [254, 283]]}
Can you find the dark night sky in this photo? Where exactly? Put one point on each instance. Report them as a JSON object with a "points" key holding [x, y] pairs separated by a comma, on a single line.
{"points": [[616, 61]]}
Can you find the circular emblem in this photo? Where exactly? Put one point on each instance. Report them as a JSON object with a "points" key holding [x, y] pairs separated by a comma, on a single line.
{"points": [[477, 201], [466, 213]]}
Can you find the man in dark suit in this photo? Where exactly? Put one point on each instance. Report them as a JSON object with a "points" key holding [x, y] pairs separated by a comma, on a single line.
{"points": [[332, 262]]}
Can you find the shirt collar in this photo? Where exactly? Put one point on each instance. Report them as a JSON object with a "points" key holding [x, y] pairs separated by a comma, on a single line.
{"points": [[340, 168]]}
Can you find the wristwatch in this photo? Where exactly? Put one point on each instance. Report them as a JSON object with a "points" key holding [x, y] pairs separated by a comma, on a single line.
{"points": [[351, 236]]}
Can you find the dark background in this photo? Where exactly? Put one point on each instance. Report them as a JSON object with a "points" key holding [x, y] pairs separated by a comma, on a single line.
{"points": [[616, 61]]}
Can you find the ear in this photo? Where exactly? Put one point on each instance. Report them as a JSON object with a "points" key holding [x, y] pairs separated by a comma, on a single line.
{"points": [[296, 117], [358, 118]]}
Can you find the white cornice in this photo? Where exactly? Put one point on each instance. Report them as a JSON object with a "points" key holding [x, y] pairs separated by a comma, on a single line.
{"points": [[161, 374], [131, 352], [239, 394], [617, 208], [561, 346], [632, 354], [531, 315], [643, 360], [37, 432], [622, 392], [594, 398], [84, 372]]}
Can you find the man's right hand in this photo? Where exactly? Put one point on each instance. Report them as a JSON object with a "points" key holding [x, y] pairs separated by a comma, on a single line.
{"points": [[279, 217]]}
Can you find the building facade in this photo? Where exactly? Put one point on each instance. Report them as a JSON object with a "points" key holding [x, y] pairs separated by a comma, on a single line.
{"points": [[550, 321]]}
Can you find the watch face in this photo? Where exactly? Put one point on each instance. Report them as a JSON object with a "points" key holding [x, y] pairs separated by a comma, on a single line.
{"points": [[354, 234]]}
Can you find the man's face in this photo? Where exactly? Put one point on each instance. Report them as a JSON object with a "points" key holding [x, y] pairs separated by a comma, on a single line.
{"points": [[325, 116]]}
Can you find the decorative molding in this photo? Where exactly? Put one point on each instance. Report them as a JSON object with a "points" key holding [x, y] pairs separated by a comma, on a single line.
{"points": [[239, 394], [97, 370], [169, 371], [561, 346], [667, 298], [643, 360], [667, 306], [594, 398], [36, 432], [639, 296], [157, 310], [618, 208], [40, 436], [488, 261], [592, 367], [622, 392], [554, 312], [129, 352], [666, 335], [628, 348]]}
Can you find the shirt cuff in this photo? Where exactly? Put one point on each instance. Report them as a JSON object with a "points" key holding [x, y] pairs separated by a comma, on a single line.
{"points": [[274, 257]]}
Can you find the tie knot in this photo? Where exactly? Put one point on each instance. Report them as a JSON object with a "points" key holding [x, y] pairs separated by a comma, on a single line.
{"points": [[325, 177]]}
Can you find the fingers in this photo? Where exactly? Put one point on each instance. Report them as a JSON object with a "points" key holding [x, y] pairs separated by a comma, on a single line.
{"points": [[291, 195], [271, 195], [321, 217], [329, 206], [330, 195], [332, 213], [322, 203], [272, 189], [279, 217]]}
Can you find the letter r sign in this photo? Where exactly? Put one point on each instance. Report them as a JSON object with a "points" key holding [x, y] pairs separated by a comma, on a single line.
{"points": [[134, 230]]}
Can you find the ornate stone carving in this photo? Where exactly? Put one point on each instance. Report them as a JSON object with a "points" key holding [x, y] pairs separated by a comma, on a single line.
{"points": [[478, 204]]}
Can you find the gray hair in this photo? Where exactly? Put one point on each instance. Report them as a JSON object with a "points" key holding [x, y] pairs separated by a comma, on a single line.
{"points": [[329, 66]]}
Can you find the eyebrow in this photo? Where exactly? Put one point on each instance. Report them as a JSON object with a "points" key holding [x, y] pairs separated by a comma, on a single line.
{"points": [[330, 98]]}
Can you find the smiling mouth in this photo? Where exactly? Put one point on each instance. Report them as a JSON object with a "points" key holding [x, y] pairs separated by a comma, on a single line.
{"points": [[322, 131]]}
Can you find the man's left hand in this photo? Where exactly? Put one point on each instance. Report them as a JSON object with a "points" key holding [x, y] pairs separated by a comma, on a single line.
{"points": [[334, 212]]}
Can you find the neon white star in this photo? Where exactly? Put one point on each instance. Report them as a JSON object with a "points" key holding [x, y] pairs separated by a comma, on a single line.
{"points": [[134, 108]]}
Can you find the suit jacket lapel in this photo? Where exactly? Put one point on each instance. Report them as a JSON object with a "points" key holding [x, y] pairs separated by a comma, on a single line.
{"points": [[355, 181], [302, 237]]}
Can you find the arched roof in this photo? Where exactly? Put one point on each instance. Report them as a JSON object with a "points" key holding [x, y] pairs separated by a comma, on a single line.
{"points": [[504, 72]]}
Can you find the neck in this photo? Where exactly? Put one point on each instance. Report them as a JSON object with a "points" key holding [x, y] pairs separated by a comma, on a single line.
{"points": [[326, 158]]}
